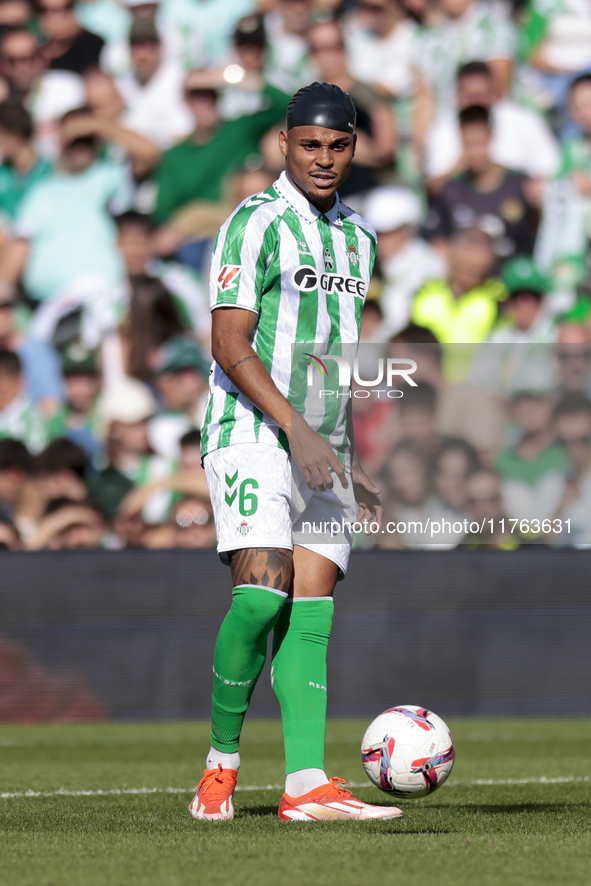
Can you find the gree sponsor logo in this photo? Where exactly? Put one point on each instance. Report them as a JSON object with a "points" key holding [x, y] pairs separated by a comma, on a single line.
{"points": [[306, 279]]}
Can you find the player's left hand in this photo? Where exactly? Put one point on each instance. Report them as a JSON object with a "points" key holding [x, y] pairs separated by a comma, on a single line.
{"points": [[366, 496]]}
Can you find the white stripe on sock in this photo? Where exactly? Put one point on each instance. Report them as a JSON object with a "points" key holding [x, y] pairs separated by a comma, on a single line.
{"points": [[309, 599], [264, 588]]}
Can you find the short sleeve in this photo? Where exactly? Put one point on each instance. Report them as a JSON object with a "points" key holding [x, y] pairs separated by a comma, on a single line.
{"points": [[240, 260]]}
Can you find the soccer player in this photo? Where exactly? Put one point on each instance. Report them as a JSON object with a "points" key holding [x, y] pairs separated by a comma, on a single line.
{"points": [[291, 264]]}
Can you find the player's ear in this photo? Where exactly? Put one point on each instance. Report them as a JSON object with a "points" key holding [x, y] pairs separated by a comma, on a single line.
{"points": [[283, 142]]}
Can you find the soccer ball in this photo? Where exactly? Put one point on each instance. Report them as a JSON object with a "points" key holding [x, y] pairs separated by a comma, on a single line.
{"points": [[408, 751]]}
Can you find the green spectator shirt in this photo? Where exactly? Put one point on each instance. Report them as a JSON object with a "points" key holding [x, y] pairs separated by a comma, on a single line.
{"points": [[190, 171], [511, 466], [576, 156]]}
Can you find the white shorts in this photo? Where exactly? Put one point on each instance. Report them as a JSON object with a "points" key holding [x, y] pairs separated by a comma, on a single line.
{"points": [[261, 501]]}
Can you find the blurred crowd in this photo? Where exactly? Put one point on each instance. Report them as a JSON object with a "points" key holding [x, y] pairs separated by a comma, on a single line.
{"points": [[130, 129]]}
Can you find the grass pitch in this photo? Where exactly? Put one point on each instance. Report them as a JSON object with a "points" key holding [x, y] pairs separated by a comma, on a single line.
{"points": [[516, 810]]}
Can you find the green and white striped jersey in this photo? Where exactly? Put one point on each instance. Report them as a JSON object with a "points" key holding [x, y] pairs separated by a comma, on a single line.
{"points": [[306, 275]]}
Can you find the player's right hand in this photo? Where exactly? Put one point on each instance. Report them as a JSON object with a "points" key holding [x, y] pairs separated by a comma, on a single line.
{"points": [[314, 456]]}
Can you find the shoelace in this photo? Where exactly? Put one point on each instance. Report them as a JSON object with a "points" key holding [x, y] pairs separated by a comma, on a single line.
{"points": [[216, 784], [337, 782]]}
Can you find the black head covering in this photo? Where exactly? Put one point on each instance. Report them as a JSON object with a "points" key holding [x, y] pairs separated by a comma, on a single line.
{"points": [[322, 104]]}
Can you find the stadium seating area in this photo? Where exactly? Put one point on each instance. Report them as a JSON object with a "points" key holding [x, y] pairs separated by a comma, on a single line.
{"points": [[128, 132]]}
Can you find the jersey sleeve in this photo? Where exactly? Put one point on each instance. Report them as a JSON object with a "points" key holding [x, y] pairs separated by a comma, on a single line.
{"points": [[240, 260]]}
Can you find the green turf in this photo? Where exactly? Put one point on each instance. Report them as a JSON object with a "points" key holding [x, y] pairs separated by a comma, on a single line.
{"points": [[466, 833]]}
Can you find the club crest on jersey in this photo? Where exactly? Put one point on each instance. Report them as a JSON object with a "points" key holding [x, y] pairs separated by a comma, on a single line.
{"points": [[228, 277], [244, 528], [353, 255], [328, 262]]}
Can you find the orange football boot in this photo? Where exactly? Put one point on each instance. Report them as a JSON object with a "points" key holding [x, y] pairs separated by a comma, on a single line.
{"points": [[331, 802], [213, 800]]}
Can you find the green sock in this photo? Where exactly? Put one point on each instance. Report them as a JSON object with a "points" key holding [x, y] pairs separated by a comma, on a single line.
{"points": [[240, 652], [299, 678]]}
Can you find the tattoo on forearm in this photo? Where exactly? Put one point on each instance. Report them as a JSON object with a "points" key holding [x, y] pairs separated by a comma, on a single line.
{"points": [[231, 368], [269, 567]]}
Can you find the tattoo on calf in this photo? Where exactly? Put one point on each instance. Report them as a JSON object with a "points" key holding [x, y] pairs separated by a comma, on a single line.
{"points": [[269, 567]]}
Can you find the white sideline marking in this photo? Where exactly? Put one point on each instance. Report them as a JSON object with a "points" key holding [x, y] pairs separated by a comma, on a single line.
{"points": [[116, 792]]}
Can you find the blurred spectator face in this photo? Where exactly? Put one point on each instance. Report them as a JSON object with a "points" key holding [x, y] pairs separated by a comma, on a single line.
{"points": [[190, 459], [58, 20], [523, 308], [103, 96], [20, 60], [11, 144], [10, 388], [60, 484], [251, 57], [574, 362], [81, 391], [428, 367], [193, 522], [12, 480], [15, 13], [202, 102], [296, 15], [451, 471], [532, 412], [134, 243], [180, 390], [580, 106], [85, 531], [132, 437], [475, 89], [418, 423], [392, 242], [129, 528], [251, 181], [379, 15], [78, 153], [484, 500], [476, 138], [455, 8], [146, 10], [407, 476], [86, 535], [574, 432], [471, 258], [9, 538], [327, 48], [371, 317], [145, 58]]}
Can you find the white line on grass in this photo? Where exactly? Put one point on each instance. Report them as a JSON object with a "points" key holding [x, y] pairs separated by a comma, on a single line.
{"points": [[116, 792]]}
